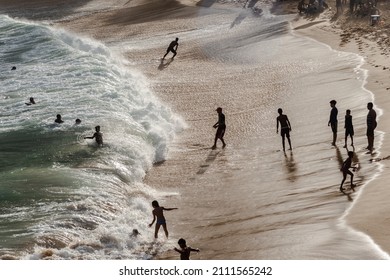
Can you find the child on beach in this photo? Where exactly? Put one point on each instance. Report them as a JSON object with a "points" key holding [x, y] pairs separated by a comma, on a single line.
{"points": [[172, 48], [345, 169], [158, 213], [348, 127], [184, 251]]}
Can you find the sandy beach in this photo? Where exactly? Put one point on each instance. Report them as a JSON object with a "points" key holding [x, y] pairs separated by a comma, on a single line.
{"points": [[213, 187], [369, 213]]}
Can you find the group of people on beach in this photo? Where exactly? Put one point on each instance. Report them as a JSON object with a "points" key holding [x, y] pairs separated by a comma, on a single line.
{"points": [[159, 218], [349, 132], [285, 129]]}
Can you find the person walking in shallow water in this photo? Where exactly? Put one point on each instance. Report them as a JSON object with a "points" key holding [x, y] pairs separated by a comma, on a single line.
{"points": [[371, 125], [347, 164], [172, 48], [285, 128], [158, 214], [333, 120], [221, 128], [348, 127], [97, 135]]}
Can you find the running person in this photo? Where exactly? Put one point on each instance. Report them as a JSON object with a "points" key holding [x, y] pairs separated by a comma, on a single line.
{"points": [[172, 48]]}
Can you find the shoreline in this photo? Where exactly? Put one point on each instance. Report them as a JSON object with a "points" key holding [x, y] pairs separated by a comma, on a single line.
{"points": [[372, 222]]}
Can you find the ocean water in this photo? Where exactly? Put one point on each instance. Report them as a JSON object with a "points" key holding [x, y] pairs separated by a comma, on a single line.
{"points": [[57, 189]]}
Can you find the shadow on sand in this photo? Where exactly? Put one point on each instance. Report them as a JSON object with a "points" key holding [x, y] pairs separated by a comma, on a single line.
{"points": [[164, 63]]}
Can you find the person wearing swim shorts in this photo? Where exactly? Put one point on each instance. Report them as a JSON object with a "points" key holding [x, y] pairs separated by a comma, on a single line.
{"points": [[285, 127], [158, 216], [221, 128], [347, 164], [172, 48]]}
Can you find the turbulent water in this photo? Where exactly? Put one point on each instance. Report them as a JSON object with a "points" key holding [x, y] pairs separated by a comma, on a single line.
{"points": [[56, 188]]}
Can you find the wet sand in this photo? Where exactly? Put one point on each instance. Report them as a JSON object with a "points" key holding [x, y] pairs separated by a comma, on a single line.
{"points": [[370, 212], [201, 175]]}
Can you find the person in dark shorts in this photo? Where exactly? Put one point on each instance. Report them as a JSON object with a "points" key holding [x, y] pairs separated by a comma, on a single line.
{"points": [[221, 128], [184, 250], [158, 214], [285, 127], [371, 125], [347, 164], [333, 120], [172, 48], [348, 127]]}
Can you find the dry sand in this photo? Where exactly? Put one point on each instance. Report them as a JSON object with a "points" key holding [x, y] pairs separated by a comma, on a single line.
{"points": [[190, 156]]}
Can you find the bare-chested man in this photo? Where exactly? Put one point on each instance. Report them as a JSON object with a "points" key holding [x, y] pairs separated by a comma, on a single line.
{"points": [[172, 48], [97, 135], [285, 127]]}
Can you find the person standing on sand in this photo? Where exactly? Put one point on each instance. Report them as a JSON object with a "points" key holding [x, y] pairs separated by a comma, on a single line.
{"points": [[172, 48], [333, 120], [285, 127], [158, 214], [184, 250], [221, 128], [345, 169], [348, 127], [97, 135], [371, 125]]}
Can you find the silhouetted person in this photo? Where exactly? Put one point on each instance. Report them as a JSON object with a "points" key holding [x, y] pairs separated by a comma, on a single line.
{"points": [[348, 127], [184, 250], [32, 101], [221, 128], [13, 68], [58, 119], [371, 125], [302, 6], [97, 135], [347, 164], [333, 120], [158, 214], [172, 48], [285, 128], [77, 121]]}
